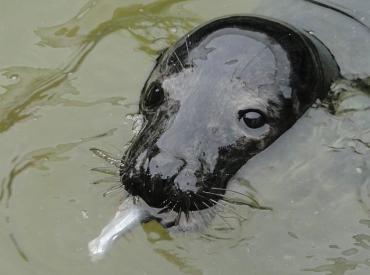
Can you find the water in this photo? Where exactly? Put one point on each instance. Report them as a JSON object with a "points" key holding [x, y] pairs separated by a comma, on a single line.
{"points": [[72, 73]]}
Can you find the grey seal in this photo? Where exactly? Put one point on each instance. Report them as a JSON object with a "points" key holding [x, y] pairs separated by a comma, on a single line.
{"points": [[216, 98]]}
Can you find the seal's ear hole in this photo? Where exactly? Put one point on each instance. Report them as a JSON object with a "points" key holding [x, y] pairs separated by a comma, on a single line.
{"points": [[252, 118], [154, 96]]}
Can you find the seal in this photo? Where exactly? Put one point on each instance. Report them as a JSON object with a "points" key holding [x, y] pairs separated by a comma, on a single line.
{"points": [[216, 98]]}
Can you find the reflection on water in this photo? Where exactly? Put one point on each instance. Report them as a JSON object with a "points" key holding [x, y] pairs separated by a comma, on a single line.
{"points": [[39, 159], [179, 261], [339, 266], [156, 234], [18, 248], [350, 96], [36, 88], [152, 25], [350, 13]]}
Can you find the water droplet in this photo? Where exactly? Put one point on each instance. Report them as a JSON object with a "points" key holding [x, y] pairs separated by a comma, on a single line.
{"points": [[9, 78], [14, 77], [138, 121], [85, 214]]}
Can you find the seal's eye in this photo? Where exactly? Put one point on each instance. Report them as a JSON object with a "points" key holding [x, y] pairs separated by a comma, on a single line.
{"points": [[155, 95], [253, 118]]}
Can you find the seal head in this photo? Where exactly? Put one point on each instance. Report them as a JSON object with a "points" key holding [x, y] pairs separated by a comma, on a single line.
{"points": [[219, 96]]}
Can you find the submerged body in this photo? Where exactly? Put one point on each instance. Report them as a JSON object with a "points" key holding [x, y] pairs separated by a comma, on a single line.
{"points": [[219, 96]]}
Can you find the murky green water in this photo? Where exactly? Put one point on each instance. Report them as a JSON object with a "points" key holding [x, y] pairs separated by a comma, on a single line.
{"points": [[73, 70]]}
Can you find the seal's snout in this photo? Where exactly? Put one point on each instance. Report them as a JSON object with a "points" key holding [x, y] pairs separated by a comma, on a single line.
{"points": [[177, 171], [186, 181], [160, 177], [164, 165]]}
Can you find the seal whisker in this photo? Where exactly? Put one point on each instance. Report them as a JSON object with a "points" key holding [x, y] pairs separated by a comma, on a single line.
{"points": [[255, 204], [239, 202], [236, 192], [164, 209], [215, 213], [203, 199], [230, 208], [208, 207], [107, 157], [106, 170], [225, 206], [199, 212], [188, 52], [196, 205], [178, 217], [224, 220], [112, 190], [178, 59], [166, 200], [173, 208], [186, 43], [107, 180]]}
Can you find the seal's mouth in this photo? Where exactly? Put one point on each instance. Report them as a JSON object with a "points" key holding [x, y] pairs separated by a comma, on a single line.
{"points": [[168, 197]]}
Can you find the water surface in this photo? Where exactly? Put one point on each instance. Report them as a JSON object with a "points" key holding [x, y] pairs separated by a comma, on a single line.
{"points": [[72, 72]]}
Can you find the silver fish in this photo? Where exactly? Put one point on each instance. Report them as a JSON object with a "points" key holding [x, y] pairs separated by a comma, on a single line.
{"points": [[128, 216]]}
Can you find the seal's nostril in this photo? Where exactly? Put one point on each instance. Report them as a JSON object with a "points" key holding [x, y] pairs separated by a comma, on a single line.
{"points": [[164, 165], [186, 181]]}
